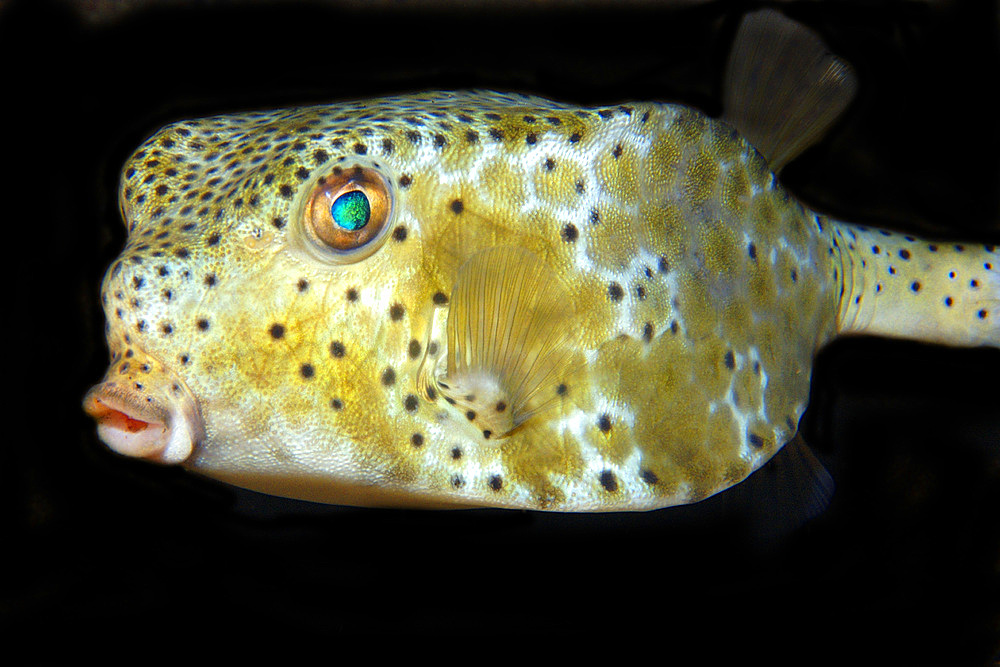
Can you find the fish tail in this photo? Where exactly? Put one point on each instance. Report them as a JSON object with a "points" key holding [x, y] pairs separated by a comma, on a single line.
{"points": [[907, 287]]}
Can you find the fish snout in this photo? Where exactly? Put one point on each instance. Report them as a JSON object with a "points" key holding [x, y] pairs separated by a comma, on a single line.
{"points": [[144, 410]]}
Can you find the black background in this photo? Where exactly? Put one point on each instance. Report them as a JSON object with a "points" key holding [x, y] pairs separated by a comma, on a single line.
{"points": [[905, 563]]}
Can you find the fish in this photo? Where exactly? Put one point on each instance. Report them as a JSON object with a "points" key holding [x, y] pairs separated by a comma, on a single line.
{"points": [[490, 299]]}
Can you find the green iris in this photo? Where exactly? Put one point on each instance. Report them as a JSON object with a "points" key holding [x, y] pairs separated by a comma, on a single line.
{"points": [[351, 210]]}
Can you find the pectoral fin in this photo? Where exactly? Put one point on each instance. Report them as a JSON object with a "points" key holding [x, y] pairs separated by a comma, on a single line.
{"points": [[510, 330]]}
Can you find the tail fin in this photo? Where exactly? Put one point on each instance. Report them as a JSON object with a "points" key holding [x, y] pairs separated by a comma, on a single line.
{"points": [[898, 285]]}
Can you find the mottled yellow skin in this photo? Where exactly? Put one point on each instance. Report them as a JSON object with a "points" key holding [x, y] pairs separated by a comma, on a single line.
{"points": [[702, 291]]}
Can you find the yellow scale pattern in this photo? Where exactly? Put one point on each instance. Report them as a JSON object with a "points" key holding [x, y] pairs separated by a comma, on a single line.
{"points": [[704, 291]]}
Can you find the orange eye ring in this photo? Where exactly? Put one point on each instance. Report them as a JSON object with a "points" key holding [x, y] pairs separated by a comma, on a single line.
{"points": [[349, 210]]}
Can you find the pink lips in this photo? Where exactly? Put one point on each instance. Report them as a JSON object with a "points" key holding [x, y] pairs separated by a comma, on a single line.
{"points": [[152, 424]]}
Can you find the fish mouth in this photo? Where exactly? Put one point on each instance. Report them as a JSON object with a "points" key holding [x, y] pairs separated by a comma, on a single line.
{"points": [[151, 427]]}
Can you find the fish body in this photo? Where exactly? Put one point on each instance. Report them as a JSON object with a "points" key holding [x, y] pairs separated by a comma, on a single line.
{"points": [[692, 290], [455, 299]]}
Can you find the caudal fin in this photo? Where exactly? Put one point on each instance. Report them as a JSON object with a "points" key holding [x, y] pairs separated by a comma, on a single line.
{"points": [[902, 286]]}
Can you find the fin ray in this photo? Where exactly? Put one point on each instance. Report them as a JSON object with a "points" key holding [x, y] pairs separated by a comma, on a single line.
{"points": [[509, 334]]}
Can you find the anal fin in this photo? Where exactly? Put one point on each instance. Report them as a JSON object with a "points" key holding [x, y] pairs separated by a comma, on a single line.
{"points": [[788, 492]]}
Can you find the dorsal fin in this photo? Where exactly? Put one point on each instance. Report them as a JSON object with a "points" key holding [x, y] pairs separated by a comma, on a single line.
{"points": [[510, 326], [783, 88]]}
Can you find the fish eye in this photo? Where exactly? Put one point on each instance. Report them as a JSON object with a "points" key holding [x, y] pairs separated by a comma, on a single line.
{"points": [[348, 212]]}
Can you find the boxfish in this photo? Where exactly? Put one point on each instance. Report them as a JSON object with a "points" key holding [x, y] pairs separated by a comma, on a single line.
{"points": [[478, 298]]}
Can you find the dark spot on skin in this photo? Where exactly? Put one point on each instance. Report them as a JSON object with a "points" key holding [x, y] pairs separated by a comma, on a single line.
{"points": [[396, 312], [487, 433], [440, 298], [307, 371], [948, 301], [915, 286], [616, 292], [604, 423], [213, 239], [752, 251], [302, 285], [617, 152], [470, 415], [456, 453], [399, 233], [982, 314], [500, 406], [417, 439], [388, 377], [414, 349], [337, 349], [608, 481], [457, 206], [904, 254], [531, 138], [286, 191], [662, 264], [570, 233], [411, 403], [730, 360], [320, 156], [876, 250], [405, 181], [561, 389], [203, 324], [352, 294], [360, 149], [755, 440], [277, 331], [550, 164], [647, 331], [649, 477], [457, 481], [496, 483], [575, 137]]}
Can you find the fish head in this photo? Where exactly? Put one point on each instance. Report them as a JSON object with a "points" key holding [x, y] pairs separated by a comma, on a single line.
{"points": [[277, 316]]}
